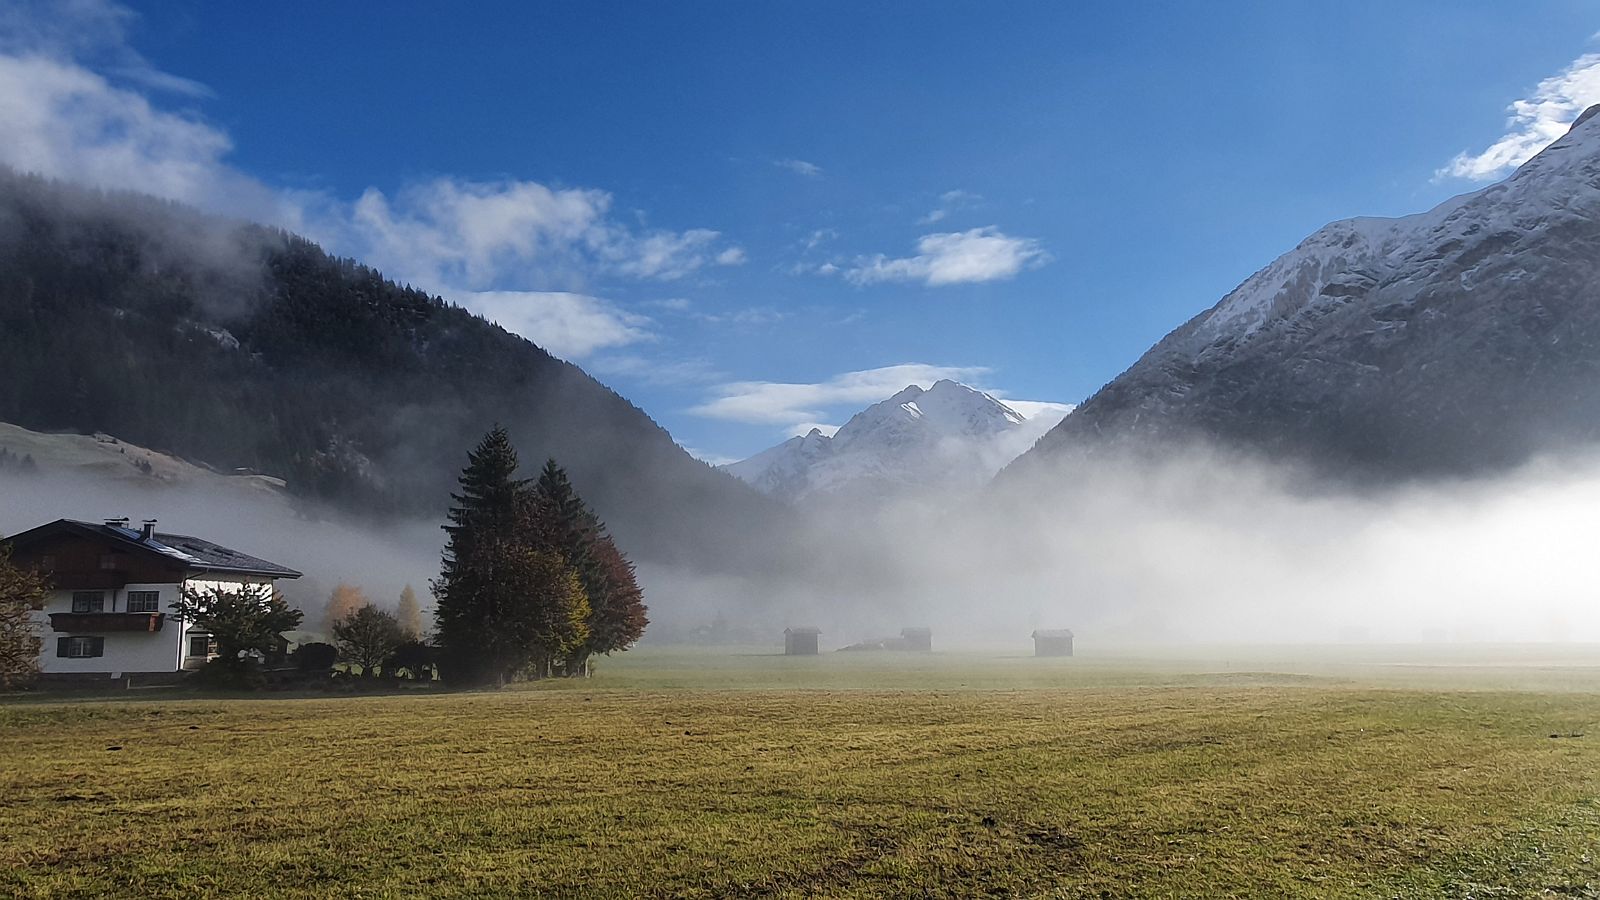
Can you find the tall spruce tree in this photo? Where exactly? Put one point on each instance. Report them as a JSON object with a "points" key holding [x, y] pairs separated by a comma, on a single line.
{"points": [[467, 609], [488, 502]]}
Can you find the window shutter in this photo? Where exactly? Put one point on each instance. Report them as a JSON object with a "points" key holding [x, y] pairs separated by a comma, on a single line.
{"points": [[97, 646], [61, 647]]}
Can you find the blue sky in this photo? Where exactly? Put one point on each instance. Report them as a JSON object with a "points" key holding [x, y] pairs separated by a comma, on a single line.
{"points": [[748, 218]]}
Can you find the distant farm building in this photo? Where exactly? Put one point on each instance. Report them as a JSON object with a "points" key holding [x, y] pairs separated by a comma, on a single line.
{"points": [[800, 641], [1052, 642], [917, 639]]}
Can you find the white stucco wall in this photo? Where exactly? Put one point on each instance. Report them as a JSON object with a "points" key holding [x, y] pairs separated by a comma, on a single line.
{"points": [[129, 652]]}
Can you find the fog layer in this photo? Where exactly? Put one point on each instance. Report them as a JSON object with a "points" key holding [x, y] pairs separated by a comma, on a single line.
{"points": [[1198, 546]]}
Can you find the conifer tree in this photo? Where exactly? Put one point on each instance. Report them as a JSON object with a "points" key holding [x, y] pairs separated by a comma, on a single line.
{"points": [[488, 502], [466, 603]]}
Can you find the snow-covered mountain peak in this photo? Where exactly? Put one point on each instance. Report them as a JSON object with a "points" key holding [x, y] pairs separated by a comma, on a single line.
{"points": [[947, 436]]}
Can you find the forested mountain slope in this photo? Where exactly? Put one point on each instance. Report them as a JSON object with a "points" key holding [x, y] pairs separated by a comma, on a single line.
{"points": [[240, 346]]}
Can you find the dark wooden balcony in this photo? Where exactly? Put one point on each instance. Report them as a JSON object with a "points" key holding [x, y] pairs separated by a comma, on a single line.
{"points": [[94, 623]]}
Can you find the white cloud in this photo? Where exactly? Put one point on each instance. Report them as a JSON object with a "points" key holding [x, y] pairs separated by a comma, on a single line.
{"points": [[469, 234], [480, 235], [751, 317], [799, 167], [568, 325], [801, 429], [1040, 416], [664, 255], [64, 121], [949, 202], [673, 372], [776, 403], [673, 304], [75, 29], [710, 459], [978, 255], [1534, 123], [1041, 409], [819, 236]]}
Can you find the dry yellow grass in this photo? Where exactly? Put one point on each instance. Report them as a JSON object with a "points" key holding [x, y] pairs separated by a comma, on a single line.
{"points": [[1195, 786]]}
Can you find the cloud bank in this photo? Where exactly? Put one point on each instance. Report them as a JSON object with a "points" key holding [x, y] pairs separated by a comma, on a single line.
{"points": [[1535, 122], [965, 257]]}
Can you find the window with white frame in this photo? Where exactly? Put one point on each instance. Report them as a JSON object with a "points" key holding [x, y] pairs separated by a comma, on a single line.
{"points": [[201, 645], [88, 601], [144, 601]]}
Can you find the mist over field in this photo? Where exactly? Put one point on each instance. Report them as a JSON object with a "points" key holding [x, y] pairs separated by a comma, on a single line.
{"points": [[1203, 546], [1206, 546]]}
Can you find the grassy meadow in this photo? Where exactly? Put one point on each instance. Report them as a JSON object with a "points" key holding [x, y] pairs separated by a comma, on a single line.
{"points": [[1250, 773]]}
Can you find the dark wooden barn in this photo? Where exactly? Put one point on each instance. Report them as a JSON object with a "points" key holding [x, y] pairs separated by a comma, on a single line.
{"points": [[917, 639], [800, 641], [1052, 642]]}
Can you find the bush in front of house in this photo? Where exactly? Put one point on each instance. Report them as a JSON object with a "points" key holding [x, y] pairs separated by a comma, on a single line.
{"points": [[315, 658], [222, 675]]}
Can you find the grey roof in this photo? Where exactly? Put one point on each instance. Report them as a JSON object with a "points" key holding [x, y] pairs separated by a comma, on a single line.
{"points": [[1053, 633], [805, 629], [194, 552]]}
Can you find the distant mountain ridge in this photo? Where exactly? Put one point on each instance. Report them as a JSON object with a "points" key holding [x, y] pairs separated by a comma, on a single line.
{"points": [[947, 438], [1463, 339], [241, 346]]}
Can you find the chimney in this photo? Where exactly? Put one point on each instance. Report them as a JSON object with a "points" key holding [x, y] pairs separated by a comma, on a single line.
{"points": [[148, 530], [117, 523]]}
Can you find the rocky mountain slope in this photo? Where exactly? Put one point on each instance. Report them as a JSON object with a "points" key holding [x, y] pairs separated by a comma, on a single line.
{"points": [[1459, 340], [240, 347], [945, 439]]}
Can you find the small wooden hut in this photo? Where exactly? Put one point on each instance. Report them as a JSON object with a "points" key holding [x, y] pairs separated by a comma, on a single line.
{"points": [[917, 639], [800, 641], [1052, 642]]}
